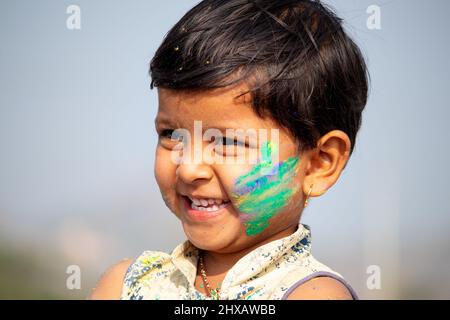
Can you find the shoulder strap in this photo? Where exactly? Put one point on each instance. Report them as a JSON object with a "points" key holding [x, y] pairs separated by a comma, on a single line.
{"points": [[320, 274]]}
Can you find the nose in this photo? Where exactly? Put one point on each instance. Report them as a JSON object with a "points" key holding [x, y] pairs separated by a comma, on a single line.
{"points": [[191, 173]]}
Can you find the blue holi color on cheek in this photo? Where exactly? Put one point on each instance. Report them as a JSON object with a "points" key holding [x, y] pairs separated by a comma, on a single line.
{"points": [[260, 197]]}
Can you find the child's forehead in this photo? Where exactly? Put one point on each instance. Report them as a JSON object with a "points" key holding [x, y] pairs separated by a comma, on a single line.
{"points": [[215, 107], [222, 108], [231, 95]]}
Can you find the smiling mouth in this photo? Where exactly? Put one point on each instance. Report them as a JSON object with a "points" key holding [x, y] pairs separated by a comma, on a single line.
{"points": [[206, 205]]}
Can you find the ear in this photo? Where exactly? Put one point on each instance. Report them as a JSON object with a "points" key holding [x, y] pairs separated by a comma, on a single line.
{"points": [[326, 162]]}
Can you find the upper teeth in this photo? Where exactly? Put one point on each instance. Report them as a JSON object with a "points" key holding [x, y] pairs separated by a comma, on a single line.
{"points": [[206, 202]]}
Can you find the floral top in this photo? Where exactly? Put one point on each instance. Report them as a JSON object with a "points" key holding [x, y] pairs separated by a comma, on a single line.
{"points": [[271, 271]]}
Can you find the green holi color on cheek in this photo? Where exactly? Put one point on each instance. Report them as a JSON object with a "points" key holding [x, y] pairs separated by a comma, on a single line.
{"points": [[265, 190]]}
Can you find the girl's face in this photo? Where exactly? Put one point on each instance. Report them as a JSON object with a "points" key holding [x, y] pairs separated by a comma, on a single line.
{"points": [[226, 199]]}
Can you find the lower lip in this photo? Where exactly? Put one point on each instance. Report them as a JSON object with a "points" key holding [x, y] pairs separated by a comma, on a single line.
{"points": [[202, 215]]}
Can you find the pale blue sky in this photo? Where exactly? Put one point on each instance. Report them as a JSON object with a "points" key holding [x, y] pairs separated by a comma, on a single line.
{"points": [[77, 141]]}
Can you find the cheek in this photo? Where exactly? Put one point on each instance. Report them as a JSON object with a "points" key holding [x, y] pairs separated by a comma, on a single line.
{"points": [[165, 175], [259, 197], [160, 166]]}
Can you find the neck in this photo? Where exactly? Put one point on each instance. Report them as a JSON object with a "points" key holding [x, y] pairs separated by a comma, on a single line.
{"points": [[218, 264]]}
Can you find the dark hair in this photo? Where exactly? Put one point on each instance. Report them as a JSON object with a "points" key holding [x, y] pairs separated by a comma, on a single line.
{"points": [[304, 71]]}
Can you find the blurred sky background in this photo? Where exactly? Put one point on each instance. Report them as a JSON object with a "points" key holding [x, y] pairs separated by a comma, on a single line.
{"points": [[77, 144]]}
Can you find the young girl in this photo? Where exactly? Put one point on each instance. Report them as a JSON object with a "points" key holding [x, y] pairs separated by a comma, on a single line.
{"points": [[279, 80]]}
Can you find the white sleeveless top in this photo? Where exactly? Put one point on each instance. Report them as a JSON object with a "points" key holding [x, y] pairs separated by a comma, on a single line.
{"points": [[270, 272]]}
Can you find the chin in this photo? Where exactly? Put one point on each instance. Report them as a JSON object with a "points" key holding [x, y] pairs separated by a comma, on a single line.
{"points": [[212, 237]]}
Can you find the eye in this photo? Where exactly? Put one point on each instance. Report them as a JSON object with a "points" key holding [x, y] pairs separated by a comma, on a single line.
{"points": [[231, 142], [230, 146], [171, 134], [166, 133], [170, 138]]}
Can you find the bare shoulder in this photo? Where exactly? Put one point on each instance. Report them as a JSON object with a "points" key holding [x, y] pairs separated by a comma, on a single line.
{"points": [[321, 288], [109, 287]]}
